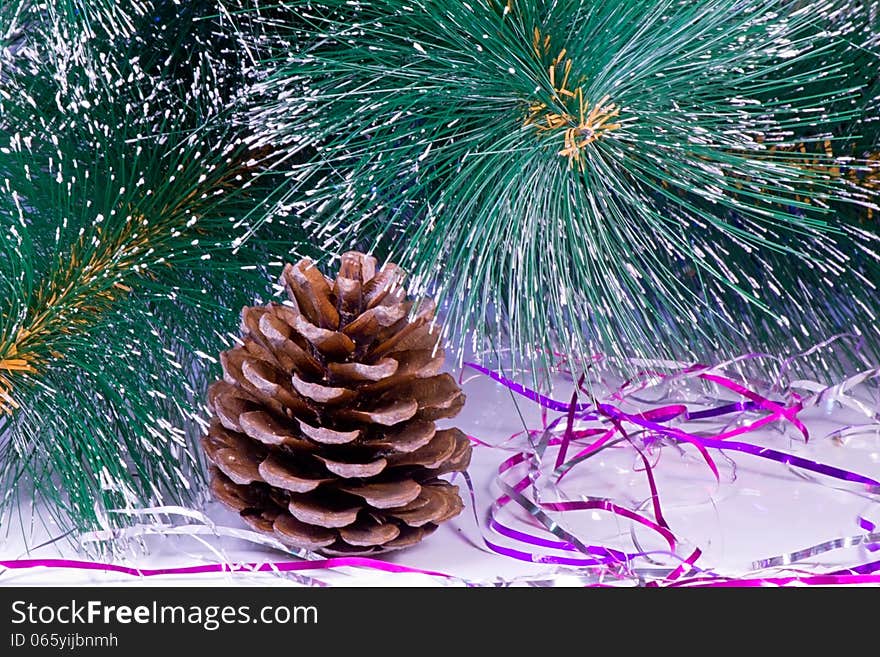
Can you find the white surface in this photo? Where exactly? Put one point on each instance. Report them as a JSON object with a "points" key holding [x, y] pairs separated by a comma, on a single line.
{"points": [[760, 509]]}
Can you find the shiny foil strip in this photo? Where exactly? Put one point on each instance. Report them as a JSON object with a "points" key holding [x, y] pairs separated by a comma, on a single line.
{"points": [[762, 405]]}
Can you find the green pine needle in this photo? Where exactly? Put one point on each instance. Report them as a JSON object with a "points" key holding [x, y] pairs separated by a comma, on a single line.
{"points": [[637, 178], [125, 183]]}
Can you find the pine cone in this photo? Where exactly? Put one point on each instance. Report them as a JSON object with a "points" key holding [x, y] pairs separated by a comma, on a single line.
{"points": [[323, 431]]}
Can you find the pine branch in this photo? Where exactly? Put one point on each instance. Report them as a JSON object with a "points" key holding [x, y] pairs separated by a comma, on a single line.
{"points": [[669, 179], [125, 187]]}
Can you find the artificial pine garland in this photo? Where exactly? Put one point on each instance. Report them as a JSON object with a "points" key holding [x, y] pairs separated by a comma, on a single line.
{"points": [[661, 179], [124, 186]]}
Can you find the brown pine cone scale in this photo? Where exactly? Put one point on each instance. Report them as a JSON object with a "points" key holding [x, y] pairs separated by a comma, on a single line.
{"points": [[323, 427]]}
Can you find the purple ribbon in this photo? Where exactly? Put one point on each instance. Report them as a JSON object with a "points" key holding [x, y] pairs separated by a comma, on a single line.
{"points": [[652, 421], [264, 567]]}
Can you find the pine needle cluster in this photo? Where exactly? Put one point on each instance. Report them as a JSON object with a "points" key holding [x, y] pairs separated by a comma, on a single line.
{"points": [[638, 178], [124, 183]]}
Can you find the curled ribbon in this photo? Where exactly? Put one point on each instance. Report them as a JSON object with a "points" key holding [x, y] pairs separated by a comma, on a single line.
{"points": [[656, 426]]}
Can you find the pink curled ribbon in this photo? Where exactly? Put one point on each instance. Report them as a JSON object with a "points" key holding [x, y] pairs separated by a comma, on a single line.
{"points": [[655, 423], [649, 421], [261, 567]]}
